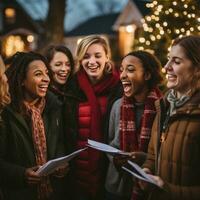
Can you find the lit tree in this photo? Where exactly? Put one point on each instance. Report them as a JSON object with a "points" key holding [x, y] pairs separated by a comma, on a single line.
{"points": [[168, 19]]}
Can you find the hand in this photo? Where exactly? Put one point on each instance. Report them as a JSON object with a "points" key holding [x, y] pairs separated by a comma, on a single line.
{"points": [[31, 176], [120, 160], [143, 184], [138, 157], [158, 180], [61, 171]]}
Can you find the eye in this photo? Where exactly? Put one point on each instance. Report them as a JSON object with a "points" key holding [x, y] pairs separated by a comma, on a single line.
{"points": [[130, 69], [86, 56], [98, 56], [58, 64], [38, 74]]}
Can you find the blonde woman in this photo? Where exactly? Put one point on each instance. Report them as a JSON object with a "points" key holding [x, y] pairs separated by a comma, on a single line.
{"points": [[96, 86], [4, 94]]}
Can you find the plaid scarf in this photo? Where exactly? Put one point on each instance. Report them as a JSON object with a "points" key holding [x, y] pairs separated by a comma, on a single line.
{"points": [[130, 138], [39, 142], [137, 140]]}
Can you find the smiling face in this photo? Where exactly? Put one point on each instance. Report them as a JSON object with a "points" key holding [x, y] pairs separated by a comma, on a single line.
{"points": [[94, 62], [179, 70], [133, 78], [60, 67], [36, 81]]}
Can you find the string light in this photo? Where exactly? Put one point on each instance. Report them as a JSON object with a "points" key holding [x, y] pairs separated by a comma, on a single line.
{"points": [[159, 25]]}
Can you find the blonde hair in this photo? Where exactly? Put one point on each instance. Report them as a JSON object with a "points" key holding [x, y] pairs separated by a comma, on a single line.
{"points": [[88, 41], [4, 89]]}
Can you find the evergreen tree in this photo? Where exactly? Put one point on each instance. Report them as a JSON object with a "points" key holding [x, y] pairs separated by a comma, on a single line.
{"points": [[168, 19]]}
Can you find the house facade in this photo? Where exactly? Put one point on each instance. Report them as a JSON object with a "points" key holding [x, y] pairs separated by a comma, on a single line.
{"points": [[18, 31]]}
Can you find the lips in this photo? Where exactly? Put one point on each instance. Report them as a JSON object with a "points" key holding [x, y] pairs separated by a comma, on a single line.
{"points": [[43, 88], [62, 76], [127, 86], [171, 77]]}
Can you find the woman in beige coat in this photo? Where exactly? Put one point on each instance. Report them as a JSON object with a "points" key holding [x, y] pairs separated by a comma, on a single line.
{"points": [[174, 149]]}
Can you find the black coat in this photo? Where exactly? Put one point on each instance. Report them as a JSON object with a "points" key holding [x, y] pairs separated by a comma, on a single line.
{"points": [[17, 150]]}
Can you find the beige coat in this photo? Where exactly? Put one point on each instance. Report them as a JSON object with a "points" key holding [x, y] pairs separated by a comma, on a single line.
{"points": [[178, 162]]}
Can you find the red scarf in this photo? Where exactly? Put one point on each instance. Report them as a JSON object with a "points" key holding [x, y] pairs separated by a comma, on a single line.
{"points": [[130, 138], [92, 92], [39, 142]]}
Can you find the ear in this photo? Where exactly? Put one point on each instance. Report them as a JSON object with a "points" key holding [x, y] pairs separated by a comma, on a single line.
{"points": [[147, 76]]}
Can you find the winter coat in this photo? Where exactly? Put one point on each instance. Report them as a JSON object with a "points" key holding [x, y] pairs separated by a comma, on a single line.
{"points": [[176, 158], [79, 112], [17, 151]]}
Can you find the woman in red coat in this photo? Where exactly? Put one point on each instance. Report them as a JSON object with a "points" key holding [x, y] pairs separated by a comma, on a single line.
{"points": [[96, 86]]}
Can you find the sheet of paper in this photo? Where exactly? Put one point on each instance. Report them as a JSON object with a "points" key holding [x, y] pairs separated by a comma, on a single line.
{"points": [[52, 165], [105, 148], [139, 173]]}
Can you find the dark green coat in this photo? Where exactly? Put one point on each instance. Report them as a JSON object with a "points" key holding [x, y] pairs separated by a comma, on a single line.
{"points": [[17, 151]]}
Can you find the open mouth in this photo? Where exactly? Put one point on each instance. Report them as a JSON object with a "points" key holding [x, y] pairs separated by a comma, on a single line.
{"points": [[43, 88], [127, 86], [171, 77]]}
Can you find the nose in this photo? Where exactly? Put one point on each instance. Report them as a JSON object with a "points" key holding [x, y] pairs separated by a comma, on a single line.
{"points": [[168, 65], [65, 67], [46, 78], [92, 60]]}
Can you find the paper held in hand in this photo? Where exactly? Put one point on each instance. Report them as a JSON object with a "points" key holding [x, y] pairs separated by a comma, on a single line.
{"points": [[139, 173], [52, 165], [105, 148]]}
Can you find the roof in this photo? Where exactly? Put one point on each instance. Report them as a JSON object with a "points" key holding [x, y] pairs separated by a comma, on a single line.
{"points": [[97, 25], [141, 4], [132, 13]]}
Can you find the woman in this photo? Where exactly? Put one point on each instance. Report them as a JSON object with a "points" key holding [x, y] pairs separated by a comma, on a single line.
{"points": [[174, 149], [4, 96], [131, 119], [4, 93], [32, 133], [96, 86], [61, 67]]}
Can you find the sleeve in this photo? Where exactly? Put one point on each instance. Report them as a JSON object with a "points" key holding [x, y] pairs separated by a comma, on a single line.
{"points": [[11, 175], [113, 135], [174, 192], [151, 155]]}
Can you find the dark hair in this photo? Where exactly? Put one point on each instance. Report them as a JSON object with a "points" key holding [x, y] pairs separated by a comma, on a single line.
{"points": [[151, 65], [16, 74], [191, 47], [50, 52]]}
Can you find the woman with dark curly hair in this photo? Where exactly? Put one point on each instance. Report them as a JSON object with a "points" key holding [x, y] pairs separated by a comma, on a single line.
{"points": [[131, 120], [32, 133]]}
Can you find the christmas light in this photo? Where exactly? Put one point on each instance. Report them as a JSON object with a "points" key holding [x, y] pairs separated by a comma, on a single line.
{"points": [[165, 24], [142, 40]]}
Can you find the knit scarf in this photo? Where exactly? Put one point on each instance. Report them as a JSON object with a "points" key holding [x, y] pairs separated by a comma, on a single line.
{"points": [[177, 102], [137, 140], [92, 92], [39, 142], [130, 138]]}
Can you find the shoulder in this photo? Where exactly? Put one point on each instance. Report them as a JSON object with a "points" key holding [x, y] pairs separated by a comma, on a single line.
{"points": [[52, 101]]}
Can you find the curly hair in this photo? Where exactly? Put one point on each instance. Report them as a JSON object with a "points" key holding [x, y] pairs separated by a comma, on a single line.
{"points": [[16, 74], [151, 65], [4, 89]]}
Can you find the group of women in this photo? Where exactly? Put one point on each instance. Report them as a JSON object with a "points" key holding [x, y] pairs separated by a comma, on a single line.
{"points": [[50, 105]]}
